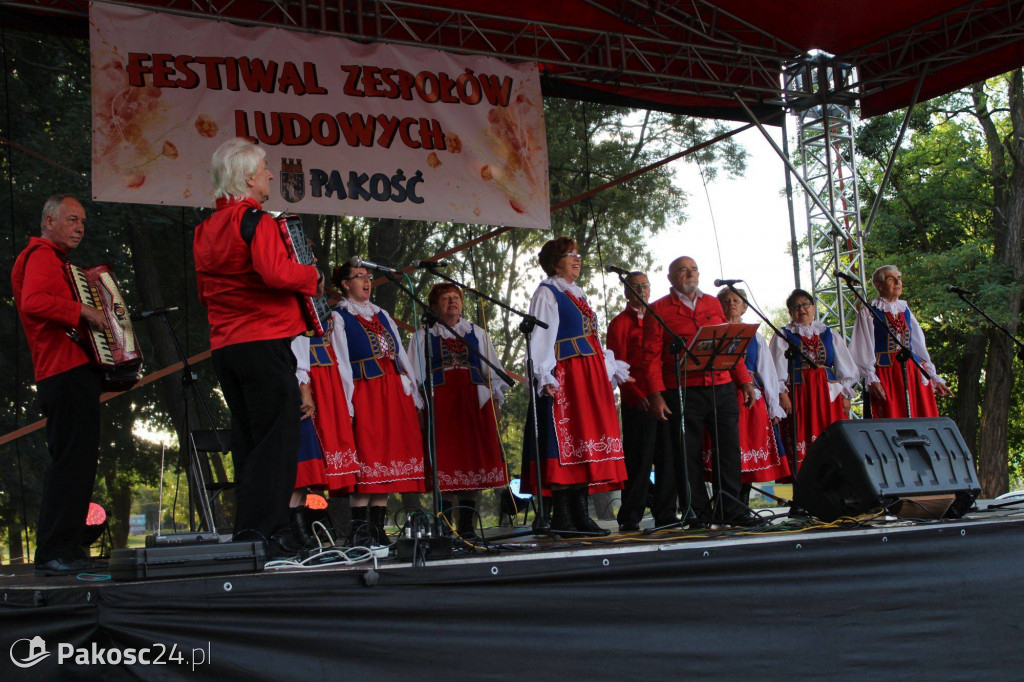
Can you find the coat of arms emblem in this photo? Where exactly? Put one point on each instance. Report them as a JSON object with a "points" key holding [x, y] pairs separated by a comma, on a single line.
{"points": [[293, 186]]}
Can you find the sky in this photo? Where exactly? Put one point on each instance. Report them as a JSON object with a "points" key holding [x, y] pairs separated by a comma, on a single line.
{"points": [[752, 223]]}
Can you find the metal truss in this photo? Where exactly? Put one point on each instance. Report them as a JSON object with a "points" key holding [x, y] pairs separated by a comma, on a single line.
{"points": [[828, 166], [692, 48], [963, 33]]}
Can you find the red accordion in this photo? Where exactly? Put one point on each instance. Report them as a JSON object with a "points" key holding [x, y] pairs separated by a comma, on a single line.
{"points": [[314, 308], [114, 348]]}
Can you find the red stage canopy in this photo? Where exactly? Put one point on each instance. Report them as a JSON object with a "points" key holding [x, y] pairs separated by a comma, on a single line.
{"points": [[692, 56]]}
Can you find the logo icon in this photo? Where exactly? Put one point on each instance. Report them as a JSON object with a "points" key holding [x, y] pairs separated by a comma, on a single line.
{"points": [[36, 652], [293, 184]]}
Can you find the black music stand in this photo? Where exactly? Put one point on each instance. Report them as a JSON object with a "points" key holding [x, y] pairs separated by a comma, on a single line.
{"points": [[719, 348]]}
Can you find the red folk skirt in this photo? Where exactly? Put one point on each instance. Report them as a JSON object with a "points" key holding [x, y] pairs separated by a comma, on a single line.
{"points": [[334, 426], [585, 425], [388, 440], [922, 398], [310, 470], [816, 412], [759, 451], [468, 449]]}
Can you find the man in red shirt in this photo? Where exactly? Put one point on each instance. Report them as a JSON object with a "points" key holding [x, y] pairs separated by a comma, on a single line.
{"points": [[249, 284], [640, 430], [68, 384], [706, 395]]}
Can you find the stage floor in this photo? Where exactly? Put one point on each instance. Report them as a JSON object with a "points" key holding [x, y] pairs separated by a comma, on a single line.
{"points": [[888, 598]]}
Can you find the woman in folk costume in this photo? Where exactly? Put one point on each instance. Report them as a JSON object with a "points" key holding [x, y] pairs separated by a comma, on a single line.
{"points": [[327, 421], [384, 399], [580, 442], [821, 395], [761, 450], [310, 473], [469, 457], [875, 352]]}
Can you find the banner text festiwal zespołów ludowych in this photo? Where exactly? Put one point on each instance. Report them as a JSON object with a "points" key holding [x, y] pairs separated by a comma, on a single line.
{"points": [[349, 129]]}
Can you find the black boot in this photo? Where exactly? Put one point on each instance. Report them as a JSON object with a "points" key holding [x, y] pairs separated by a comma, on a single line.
{"points": [[467, 520], [579, 501], [300, 528], [449, 521], [359, 535], [546, 518], [561, 516], [376, 519]]}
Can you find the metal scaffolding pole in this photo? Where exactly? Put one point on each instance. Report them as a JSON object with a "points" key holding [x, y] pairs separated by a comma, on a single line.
{"points": [[828, 167]]}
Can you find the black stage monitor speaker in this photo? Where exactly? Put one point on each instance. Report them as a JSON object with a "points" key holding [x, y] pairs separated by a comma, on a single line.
{"points": [[856, 466]]}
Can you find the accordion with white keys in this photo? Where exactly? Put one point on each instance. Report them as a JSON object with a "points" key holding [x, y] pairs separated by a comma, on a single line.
{"points": [[315, 310], [114, 348]]}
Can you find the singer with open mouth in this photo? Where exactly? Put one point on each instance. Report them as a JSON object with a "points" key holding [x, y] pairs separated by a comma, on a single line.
{"points": [[384, 401], [875, 352], [820, 395], [467, 394]]}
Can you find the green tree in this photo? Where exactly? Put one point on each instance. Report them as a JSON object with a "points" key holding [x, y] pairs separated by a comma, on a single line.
{"points": [[953, 212]]}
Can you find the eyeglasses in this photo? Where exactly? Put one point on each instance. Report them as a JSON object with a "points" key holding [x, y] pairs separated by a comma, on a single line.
{"points": [[802, 306], [367, 276], [641, 286], [571, 255]]}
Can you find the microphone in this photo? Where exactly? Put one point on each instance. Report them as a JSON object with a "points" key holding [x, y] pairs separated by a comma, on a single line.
{"points": [[849, 279], [143, 314], [953, 289], [617, 270], [726, 282], [358, 262], [430, 264]]}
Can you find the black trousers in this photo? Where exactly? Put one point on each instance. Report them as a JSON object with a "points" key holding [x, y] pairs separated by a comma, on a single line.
{"points": [[258, 379], [71, 403], [644, 441], [714, 410]]}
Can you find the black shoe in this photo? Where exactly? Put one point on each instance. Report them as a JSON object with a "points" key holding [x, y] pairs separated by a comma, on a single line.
{"points": [[666, 522], [630, 527], [55, 567], [798, 512], [745, 521]]}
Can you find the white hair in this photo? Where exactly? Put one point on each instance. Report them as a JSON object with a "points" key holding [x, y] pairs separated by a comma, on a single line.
{"points": [[878, 276], [51, 209], [233, 163]]}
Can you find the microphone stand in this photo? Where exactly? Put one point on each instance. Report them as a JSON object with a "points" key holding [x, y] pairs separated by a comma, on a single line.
{"points": [[1020, 346], [429, 318], [904, 353], [526, 326], [677, 348], [792, 351], [199, 495]]}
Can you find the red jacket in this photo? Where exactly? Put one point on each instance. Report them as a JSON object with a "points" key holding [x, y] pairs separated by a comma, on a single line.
{"points": [[47, 307], [625, 339], [249, 290], [684, 321]]}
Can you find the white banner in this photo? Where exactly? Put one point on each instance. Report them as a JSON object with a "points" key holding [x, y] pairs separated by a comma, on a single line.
{"points": [[349, 129]]}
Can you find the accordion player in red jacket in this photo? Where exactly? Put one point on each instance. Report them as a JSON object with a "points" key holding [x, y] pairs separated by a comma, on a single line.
{"points": [[250, 288], [67, 380]]}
